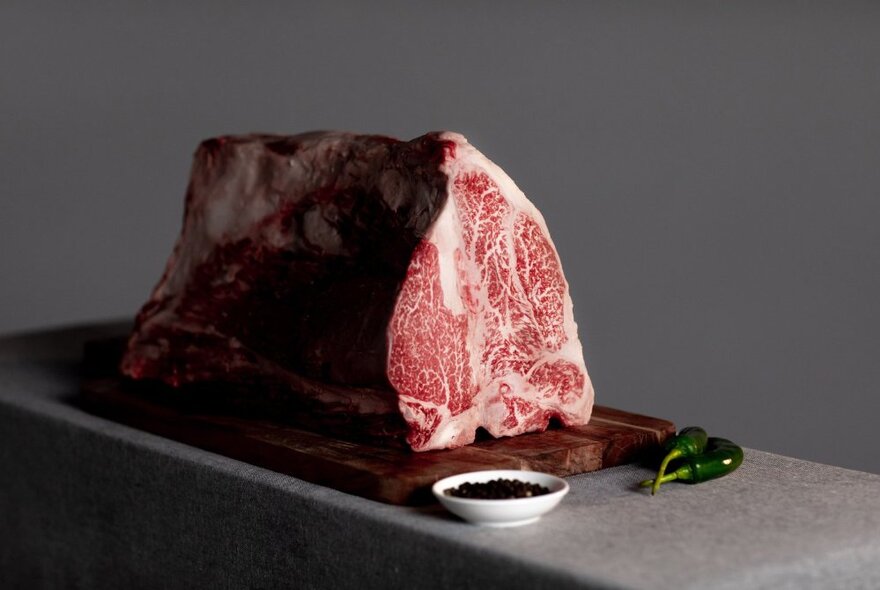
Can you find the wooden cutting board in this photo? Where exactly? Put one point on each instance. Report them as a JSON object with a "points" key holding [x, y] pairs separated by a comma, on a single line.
{"points": [[392, 475]]}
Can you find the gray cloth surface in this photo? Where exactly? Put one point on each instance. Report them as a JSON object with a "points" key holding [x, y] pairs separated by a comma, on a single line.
{"points": [[88, 503]]}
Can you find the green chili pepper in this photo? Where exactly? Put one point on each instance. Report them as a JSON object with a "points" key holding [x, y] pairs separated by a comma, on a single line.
{"points": [[689, 442], [720, 458]]}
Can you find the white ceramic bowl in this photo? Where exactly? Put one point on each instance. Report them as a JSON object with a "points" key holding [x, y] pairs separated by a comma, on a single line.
{"points": [[501, 513]]}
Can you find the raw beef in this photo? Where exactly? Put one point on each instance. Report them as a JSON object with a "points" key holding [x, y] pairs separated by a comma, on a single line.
{"points": [[383, 285]]}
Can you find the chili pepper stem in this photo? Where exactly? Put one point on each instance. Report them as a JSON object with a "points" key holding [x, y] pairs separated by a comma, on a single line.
{"points": [[655, 483], [671, 456]]}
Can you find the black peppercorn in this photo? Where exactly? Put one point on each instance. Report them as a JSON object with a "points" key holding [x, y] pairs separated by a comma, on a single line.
{"points": [[497, 489]]}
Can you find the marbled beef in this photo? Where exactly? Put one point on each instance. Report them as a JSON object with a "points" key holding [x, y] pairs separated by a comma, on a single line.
{"points": [[405, 283]]}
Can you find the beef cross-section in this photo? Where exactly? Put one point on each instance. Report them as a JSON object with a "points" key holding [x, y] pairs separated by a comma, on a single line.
{"points": [[367, 283]]}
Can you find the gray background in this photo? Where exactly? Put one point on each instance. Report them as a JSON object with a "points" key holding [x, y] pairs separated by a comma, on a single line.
{"points": [[710, 172]]}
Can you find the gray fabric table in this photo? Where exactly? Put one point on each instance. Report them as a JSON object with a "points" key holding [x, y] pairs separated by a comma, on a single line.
{"points": [[88, 503]]}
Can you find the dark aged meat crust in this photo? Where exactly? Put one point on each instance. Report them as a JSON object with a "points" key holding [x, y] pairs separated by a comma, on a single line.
{"points": [[365, 284]]}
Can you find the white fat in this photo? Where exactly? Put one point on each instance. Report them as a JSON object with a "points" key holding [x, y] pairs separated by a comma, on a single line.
{"points": [[446, 236], [236, 207], [470, 158]]}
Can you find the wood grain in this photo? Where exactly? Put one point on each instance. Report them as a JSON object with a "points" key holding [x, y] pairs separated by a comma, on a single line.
{"points": [[386, 474]]}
